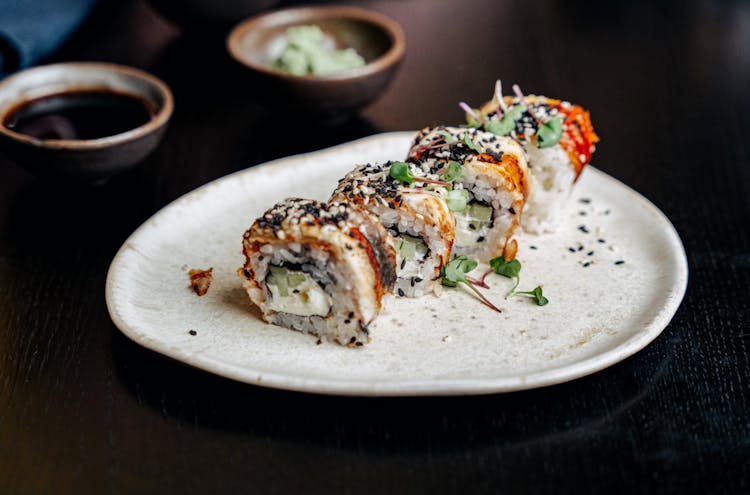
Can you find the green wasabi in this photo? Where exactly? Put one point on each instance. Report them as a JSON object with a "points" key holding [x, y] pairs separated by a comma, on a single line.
{"points": [[307, 54]]}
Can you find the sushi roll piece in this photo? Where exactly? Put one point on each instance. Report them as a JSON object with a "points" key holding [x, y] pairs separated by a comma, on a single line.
{"points": [[559, 140], [419, 220], [493, 178], [319, 268]]}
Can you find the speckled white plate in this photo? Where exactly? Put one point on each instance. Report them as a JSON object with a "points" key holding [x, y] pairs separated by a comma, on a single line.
{"points": [[599, 312]]}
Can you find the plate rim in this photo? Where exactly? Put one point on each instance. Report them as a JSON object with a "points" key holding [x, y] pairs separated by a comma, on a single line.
{"points": [[419, 387]]}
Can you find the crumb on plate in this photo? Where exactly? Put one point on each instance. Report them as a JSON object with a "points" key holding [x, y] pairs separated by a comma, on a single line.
{"points": [[200, 280]]}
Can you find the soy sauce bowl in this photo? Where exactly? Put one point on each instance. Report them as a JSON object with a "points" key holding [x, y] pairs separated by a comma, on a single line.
{"points": [[256, 42], [87, 160]]}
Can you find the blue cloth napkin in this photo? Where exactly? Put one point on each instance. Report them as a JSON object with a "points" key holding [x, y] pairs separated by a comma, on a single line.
{"points": [[33, 29]]}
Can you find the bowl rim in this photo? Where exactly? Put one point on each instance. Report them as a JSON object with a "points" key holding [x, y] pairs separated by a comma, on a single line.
{"points": [[160, 118], [390, 27]]}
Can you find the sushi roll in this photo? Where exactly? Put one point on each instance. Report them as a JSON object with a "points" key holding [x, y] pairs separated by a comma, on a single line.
{"points": [[419, 220], [319, 268], [559, 140], [493, 176]]}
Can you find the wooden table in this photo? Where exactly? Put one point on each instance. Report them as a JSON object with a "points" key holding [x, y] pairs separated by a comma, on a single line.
{"points": [[85, 410]]}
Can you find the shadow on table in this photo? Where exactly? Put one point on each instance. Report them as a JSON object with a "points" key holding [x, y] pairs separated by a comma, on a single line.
{"points": [[568, 411], [63, 221]]}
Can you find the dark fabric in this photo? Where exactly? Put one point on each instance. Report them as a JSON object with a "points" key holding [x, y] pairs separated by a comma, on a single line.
{"points": [[33, 29]]}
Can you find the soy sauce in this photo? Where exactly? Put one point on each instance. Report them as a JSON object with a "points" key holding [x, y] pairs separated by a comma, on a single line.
{"points": [[79, 115]]}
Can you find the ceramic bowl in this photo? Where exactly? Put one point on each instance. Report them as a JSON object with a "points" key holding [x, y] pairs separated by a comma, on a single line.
{"points": [[89, 160], [256, 42]]}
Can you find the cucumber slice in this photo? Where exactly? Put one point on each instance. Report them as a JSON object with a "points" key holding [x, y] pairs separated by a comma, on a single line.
{"points": [[293, 279], [409, 247], [480, 212], [278, 277], [283, 279]]}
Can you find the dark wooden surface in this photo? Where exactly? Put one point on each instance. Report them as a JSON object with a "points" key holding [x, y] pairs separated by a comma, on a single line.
{"points": [[84, 410]]}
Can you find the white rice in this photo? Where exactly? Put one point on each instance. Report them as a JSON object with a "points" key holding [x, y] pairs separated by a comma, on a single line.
{"points": [[490, 189], [426, 280], [550, 183]]}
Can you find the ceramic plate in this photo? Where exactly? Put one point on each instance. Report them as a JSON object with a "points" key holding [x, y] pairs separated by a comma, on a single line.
{"points": [[615, 274]]}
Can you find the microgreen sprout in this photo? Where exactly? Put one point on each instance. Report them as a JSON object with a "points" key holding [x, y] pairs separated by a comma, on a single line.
{"points": [[446, 140], [505, 117], [500, 127], [471, 144], [512, 269], [447, 137], [507, 123], [535, 294], [455, 270], [522, 98], [516, 111], [549, 133], [470, 112], [401, 172], [519, 93], [506, 268], [454, 273], [479, 283], [453, 172], [499, 96]]}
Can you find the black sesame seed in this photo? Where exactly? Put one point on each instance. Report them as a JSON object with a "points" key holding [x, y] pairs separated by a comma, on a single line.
{"points": [[512, 210], [401, 293], [586, 264], [582, 213], [580, 248], [412, 282], [346, 322], [583, 229], [601, 241], [590, 253], [193, 332], [480, 238], [496, 156], [533, 247], [351, 314], [418, 279], [585, 201], [572, 250], [403, 263], [619, 262]]}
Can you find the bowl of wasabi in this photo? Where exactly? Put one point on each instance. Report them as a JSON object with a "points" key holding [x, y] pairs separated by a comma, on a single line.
{"points": [[323, 60]]}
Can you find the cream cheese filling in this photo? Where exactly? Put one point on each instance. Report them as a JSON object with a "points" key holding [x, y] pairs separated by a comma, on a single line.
{"points": [[472, 224], [305, 298], [410, 255]]}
